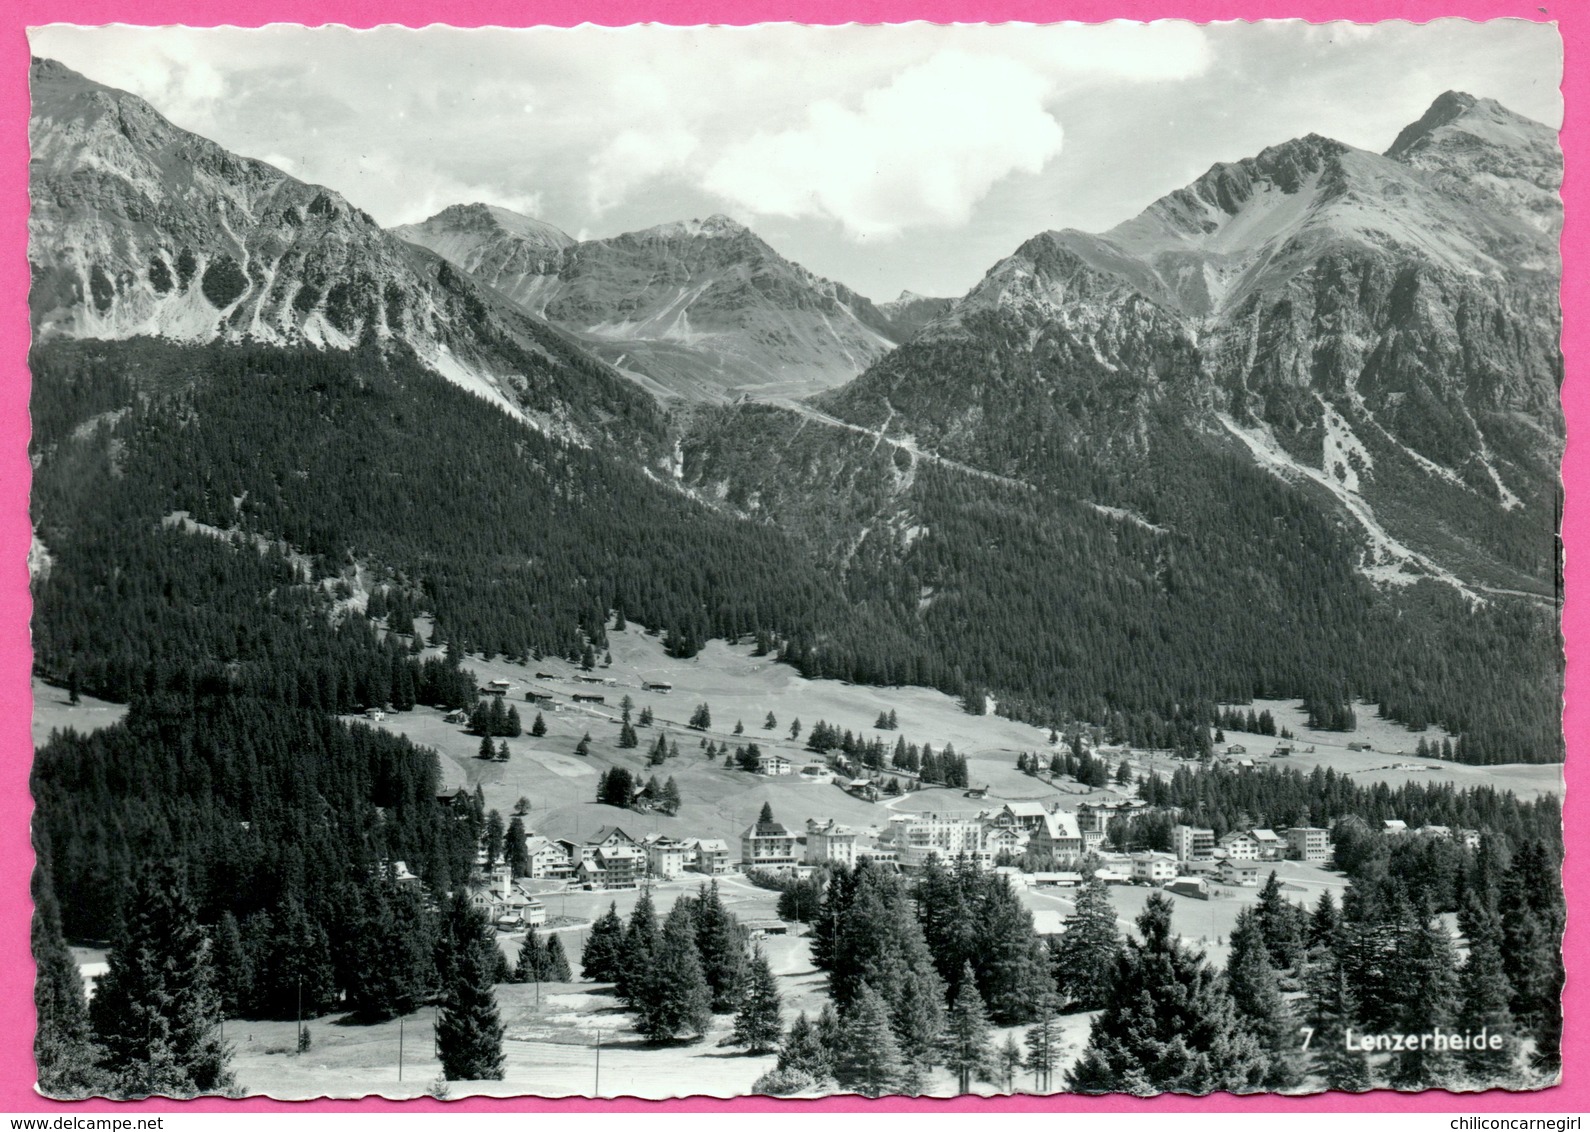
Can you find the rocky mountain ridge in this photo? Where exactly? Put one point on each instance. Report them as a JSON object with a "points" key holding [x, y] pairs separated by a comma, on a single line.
{"points": [[1367, 327], [703, 310], [139, 228]]}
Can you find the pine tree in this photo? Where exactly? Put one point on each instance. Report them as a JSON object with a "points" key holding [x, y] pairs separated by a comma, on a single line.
{"points": [[627, 738], [803, 1051], [391, 952], [1282, 924], [1253, 986], [516, 851], [1010, 960], [488, 750], [156, 1013], [63, 1046], [539, 727], [645, 716], [503, 754], [1484, 994], [1083, 961], [530, 967], [583, 747], [758, 1024], [1323, 922], [494, 838], [1009, 1059], [636, 957], [1331, 1012], [701, 718], [721, 945], [1428, 999], [468, 1029], [602, 956], [556, 963], [1043, 1045], [234, 975], [1171, 1026], [770, 722], [868, 1059], [918, 1020], [673, 999], [965, 1042]]}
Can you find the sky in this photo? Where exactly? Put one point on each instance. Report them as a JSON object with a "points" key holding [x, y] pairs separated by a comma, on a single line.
{"points": [[890, 158]]}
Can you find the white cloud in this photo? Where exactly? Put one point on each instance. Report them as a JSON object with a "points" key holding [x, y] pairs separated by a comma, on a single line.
{"points": [[920, 151], [634, 157]]}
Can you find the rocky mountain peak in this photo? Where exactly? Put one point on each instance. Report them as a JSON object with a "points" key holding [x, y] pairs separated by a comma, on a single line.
{"points": [[1445, 109], [1479, 150]]}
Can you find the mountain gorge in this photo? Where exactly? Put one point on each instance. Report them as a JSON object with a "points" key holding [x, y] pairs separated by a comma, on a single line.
{"points": [[699, 310], [1291, 431]]}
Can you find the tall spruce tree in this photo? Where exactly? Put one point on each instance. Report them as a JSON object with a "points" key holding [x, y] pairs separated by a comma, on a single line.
{"points": [[516, 852], [63, 1045], [759, 1024], [604, 948], [1283, 925], [636, 957], [879, 941], [1331, 1011], [1043, 1045], [1010, 961], [1170, 1024], [1428, 1000], [557, 963], [1484, 995], [1084, 958], [392, 963], [1257, 994], [965, 1043], [156, 1013], [672, 998], [868, 1057], [918, 1019], [721, 943], [468, 1029]]}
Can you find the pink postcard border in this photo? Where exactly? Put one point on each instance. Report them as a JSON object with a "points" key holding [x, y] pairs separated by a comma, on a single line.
{"points": [[16, 966]]}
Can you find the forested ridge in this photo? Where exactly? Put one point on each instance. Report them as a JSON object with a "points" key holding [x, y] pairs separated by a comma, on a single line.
{"points": [[1123, 591]]}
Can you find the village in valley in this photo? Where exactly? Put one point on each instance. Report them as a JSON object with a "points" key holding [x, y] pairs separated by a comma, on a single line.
{"points": [[758, 813]]}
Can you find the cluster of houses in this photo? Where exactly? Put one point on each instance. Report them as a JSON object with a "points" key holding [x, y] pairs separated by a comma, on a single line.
{"points": [[613, 859]]}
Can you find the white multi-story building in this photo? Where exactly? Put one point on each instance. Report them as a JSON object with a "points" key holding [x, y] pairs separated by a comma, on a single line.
{"points": [[665, 857], [1271, 846], [1308, 843], [1060, 836], [1240, 846], [918, 837], [767, 845], [1153, 866], [829, 842], [1192, 843]]}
